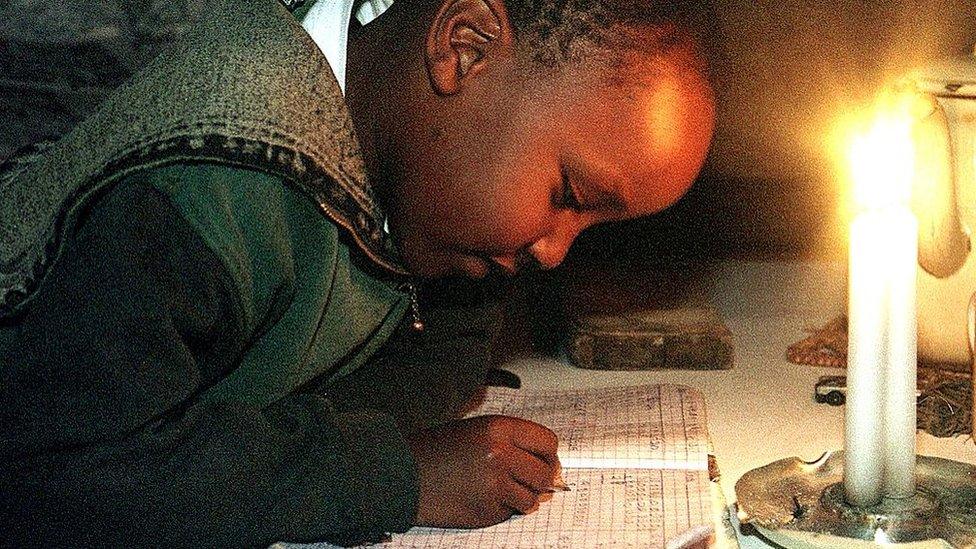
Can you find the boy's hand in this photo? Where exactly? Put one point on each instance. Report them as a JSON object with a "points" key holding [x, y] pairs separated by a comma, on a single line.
{"points": [[480, 471]]}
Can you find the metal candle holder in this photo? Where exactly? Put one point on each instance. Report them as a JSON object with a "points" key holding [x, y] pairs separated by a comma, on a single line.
{"points": [[801, 505]]}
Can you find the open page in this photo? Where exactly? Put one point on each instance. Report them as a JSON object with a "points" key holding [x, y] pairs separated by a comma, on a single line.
{"points": [[636, 462], [604, 508], [644, 426]]}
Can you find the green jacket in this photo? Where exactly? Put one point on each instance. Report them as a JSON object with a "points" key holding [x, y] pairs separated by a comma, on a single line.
{"points": [[215, 353]]}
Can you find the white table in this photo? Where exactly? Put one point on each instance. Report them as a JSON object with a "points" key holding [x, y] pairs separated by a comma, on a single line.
{"points": [[763, 409]]}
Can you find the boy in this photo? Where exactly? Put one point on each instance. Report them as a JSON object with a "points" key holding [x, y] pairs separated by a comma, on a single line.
{"points": [[210, 337]]}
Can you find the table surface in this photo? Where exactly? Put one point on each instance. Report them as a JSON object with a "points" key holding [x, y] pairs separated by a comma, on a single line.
{"points": [[762, 410]]}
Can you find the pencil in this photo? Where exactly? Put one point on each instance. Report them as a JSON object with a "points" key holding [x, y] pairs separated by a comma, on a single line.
{"points": [[558, 485]]}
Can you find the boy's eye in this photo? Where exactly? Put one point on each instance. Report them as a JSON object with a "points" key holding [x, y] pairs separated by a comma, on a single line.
{"points": [[569, 198]]}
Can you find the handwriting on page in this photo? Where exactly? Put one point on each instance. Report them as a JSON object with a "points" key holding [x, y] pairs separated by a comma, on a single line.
{"points": [[636, 462], [604, 508], [649, 427]]}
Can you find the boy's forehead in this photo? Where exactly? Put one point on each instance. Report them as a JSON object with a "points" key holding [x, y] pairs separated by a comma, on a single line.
{"points": [[647, 141]]}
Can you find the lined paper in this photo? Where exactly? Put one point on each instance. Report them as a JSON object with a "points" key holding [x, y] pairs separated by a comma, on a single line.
{"points": [[635, 459], [604, 508], [644, 427]]}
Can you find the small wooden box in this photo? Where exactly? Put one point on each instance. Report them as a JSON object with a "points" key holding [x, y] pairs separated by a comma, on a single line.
{"points": [[693, 338], [644, 317]]}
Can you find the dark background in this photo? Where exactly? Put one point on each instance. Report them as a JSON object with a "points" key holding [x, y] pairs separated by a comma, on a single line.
{"points": [[785, 70]]}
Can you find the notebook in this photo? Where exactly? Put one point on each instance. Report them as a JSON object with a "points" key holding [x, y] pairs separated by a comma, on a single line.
{"points": [[636, 459]]}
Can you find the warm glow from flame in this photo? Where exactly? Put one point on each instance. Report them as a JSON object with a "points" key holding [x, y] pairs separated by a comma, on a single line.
{"points": [[896, 153], [882, 164], [881, 157]]}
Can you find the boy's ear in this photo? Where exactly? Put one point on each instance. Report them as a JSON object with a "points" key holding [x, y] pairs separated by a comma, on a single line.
{"points": [[463, 37]]}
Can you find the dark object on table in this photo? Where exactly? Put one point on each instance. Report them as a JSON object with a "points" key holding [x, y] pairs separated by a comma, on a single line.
{"points": [[686, 338], [614, 312], [831, 390], [496, 377], [639, 316]]}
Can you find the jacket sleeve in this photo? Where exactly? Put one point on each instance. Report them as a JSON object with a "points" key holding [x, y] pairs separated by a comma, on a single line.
{"points": [[104, 442], [425, 378]]}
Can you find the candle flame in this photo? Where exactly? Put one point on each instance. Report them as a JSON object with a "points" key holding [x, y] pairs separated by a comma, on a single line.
{"points": [[881, 156]]}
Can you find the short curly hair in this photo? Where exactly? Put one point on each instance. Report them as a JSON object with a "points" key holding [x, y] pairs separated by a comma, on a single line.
{"points": [[555, 32]]}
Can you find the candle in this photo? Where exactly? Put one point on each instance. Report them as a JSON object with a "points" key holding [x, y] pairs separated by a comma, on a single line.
{"points": [[864, 430], [880, 415], [901, 376]]}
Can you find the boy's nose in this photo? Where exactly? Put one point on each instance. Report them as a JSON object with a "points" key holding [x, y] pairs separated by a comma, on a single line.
{"points": [[550, 250]]}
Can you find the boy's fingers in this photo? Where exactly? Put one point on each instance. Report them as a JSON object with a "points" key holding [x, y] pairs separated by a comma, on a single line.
{"points": [[532, 472], [520, 499], [538, 440]]}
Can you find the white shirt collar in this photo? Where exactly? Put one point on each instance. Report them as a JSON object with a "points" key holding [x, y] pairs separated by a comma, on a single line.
{"points": [[327, 22]]}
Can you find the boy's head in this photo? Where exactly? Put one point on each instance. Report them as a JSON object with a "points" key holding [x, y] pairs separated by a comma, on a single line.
{"points": [[498, 130]]}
